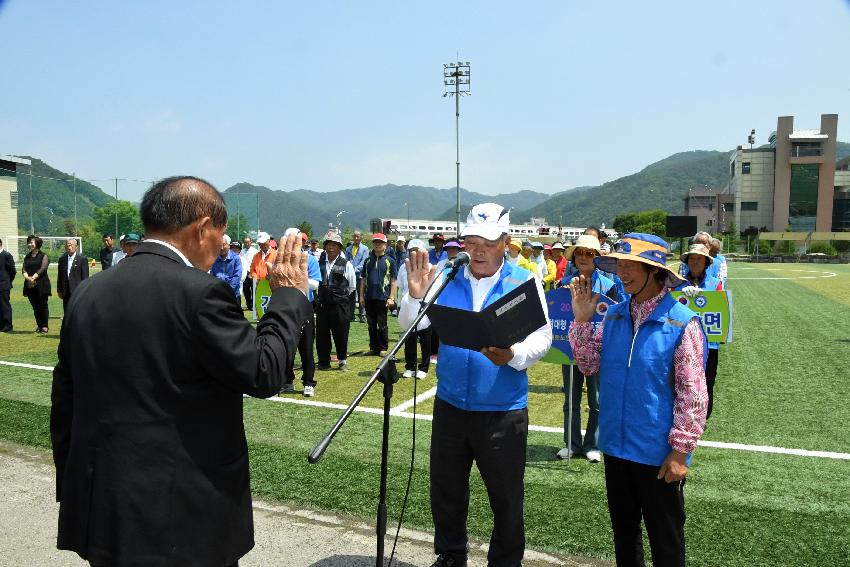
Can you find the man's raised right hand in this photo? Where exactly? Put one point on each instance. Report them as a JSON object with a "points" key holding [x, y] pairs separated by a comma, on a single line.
{"points": [[290, 265], [419, 273]]}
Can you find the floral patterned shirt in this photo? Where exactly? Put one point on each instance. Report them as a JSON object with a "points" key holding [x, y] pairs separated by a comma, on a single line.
{"points": [[691, 402]]}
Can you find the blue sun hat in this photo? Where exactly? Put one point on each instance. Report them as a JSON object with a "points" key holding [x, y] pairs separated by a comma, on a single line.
{"points": [[639, 247]]}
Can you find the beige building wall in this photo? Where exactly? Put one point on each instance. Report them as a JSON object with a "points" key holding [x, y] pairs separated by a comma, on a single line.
{"points": [[8, 213], [753, 187], [826, 179], [782, 192]]}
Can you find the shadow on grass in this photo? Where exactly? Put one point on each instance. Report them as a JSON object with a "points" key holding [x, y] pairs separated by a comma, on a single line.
{"points": [[842, 340], [355, 561], [544, 389]]}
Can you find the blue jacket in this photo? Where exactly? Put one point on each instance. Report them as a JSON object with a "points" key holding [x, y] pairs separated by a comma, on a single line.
{"points": [[379, 273], [359, 260], [434, 258], [230, 270], [314, 272], [636, 390], [708, 283], [467, 379]]}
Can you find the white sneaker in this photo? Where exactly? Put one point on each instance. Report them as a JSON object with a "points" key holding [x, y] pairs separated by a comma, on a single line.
{"points": [[309, 391], [421, 375], [565, 453], [343, 364], [407, 374], [593, 456]]}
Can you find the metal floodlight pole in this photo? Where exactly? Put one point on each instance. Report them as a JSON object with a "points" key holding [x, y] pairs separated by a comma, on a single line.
{"points": [[116, 206], [75, 204], [237, 195], [456, 81], [32, 226]]}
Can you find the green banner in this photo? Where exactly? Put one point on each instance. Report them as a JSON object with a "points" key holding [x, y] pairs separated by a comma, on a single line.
{"points": [[715, 312], [262, 296]]}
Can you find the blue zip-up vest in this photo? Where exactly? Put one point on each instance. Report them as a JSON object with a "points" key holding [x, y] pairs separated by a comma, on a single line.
{"points": [[636, 386], [467, 379], [709, 283]]}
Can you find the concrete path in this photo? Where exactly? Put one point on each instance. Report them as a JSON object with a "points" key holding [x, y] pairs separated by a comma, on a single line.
{"points": [[285, 535]]}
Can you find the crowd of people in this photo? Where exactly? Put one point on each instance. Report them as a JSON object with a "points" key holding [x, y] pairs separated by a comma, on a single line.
{"points": [[647, 368]]}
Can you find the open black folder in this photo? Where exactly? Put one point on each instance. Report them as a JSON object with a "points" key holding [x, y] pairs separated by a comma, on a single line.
{"points": [[503, 323]]}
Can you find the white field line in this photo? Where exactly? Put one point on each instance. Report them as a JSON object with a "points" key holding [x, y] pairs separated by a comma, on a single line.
{"points": [[417, 400], [427, 417]]}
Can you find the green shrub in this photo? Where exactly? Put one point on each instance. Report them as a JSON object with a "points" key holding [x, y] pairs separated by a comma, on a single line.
{"points": [[823, 248]]}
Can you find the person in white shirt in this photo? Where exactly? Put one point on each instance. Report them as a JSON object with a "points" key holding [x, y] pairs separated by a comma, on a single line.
{"points": [[537, 256], [423, 329], [480, 411], [247, 255]]}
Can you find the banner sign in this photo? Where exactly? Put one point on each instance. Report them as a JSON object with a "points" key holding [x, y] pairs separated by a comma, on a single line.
{"points": [[262, 296], [715, 312], [560, 305]]}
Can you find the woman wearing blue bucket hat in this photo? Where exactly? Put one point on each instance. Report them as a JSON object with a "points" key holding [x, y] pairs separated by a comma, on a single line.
{"points": [[650, 352]]}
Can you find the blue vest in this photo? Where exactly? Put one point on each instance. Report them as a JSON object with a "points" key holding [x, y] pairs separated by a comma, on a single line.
{"points": [[467, 379], [636, 386], [709, 283]]}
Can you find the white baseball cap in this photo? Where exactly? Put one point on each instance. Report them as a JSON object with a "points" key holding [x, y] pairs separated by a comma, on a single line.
{"points": [[263, 237], [487, 220], [417, 244]]}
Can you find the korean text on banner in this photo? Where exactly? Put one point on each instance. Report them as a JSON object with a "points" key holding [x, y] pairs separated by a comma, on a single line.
{"points": [[559, 302], [715, 312]]}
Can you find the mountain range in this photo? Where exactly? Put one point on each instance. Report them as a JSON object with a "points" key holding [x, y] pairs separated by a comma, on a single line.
{"points": [[661, 185]]}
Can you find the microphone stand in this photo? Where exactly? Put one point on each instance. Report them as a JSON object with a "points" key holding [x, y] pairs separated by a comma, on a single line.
{"points": [[385, 373]]}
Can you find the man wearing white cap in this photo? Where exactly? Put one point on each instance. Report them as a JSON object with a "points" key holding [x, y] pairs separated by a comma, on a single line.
{"points": [[537, 256], [481, 408]]}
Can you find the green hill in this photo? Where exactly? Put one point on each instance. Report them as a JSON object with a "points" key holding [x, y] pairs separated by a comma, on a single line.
{"points": [[53, 198], [661, 185]]}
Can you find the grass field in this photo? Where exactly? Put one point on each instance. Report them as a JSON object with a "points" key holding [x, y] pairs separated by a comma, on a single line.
{"points": [[784, 382]]}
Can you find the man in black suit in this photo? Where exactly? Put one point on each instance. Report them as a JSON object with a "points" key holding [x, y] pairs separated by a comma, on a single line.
{"points": [[149, 445], [7, 274], [73, 270]]}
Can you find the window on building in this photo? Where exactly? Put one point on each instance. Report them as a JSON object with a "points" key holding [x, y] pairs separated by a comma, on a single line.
{"points": [[749, 205], [803, 203], [745, 167], [806, 149], [728, 207], [732, 169], [14, 196]]}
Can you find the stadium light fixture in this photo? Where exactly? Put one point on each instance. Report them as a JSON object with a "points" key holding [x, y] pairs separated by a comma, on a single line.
{"points": [[456, 81]]}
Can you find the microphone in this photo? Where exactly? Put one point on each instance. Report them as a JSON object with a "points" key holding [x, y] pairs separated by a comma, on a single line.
{"points": [[462, 259]]}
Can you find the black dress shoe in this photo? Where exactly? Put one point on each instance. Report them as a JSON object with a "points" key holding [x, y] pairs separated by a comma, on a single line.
{"points": [[6, 329], [445, 560]]}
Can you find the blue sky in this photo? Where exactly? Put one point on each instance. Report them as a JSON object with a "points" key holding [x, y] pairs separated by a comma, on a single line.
{"points": [[333, 95]]}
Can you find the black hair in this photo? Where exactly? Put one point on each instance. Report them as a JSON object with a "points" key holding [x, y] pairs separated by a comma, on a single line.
{"points": [[175, 202], [38, 241], [594, 229], [660, 274], [108, 235]]}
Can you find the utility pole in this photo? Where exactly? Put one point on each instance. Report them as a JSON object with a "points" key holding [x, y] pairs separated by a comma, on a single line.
{"points": [[116, 207], [456, 80], [32, 226], [75, 204]]}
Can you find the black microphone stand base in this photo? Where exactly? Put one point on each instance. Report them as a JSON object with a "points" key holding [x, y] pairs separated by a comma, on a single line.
{"points": [[388, 376]]}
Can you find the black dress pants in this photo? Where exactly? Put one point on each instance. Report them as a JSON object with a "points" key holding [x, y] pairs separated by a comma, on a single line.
{"points": [[376, 320], [305, 351], [355, 298], [423, 337], [710, 377], [634, 492], [496, 441], [39, 309], [332, 321], [5, 310], [248, 292]]}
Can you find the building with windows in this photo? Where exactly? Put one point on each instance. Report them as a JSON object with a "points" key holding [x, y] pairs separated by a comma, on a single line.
{"points": [[792, 184], [9, 199]]}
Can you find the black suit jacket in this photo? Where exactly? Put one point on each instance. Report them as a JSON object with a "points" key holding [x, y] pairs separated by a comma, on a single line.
{"points": [[148, 440], [7, 270], [66, 283]]}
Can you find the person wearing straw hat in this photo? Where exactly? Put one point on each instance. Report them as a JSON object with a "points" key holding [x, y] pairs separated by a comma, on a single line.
{"points": [[513, 255], [650, 353], [551, 268], [560, 262], [333, 299], [582, 255], [698, 260], [481, 406]]}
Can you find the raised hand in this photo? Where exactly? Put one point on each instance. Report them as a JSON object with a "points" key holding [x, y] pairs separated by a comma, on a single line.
{"points": [[584, 300], [290, 265], [419, 273]]}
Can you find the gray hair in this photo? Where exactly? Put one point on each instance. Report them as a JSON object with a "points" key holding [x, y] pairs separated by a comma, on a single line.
{"points": [[176, 202], [716, 243]]}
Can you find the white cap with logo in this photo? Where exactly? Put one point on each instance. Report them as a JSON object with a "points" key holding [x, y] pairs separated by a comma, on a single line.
{"points": [[487, 220], [263, 237]]}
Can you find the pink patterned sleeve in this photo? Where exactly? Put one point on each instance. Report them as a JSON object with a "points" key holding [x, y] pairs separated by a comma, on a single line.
{"points": [[691, 404], [587, 346]]}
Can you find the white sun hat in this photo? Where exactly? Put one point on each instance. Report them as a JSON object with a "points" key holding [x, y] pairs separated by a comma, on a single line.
{"points": [[487, 220]]}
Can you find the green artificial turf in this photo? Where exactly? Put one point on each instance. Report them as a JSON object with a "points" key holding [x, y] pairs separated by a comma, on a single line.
{"points": [[783, 381]]}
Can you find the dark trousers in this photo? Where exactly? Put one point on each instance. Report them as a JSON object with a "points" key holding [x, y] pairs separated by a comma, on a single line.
{"points": [[435, 342], [496, 441], [634, 492], [376, 319], [710, 377], [305, 351], [332, 321], [248, 292], [5, 310], [39, 309], [424, 339], [66, 297], [591, 434]]}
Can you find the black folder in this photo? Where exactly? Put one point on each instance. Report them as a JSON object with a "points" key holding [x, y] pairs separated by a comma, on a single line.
{"points": [[503, 323]]}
